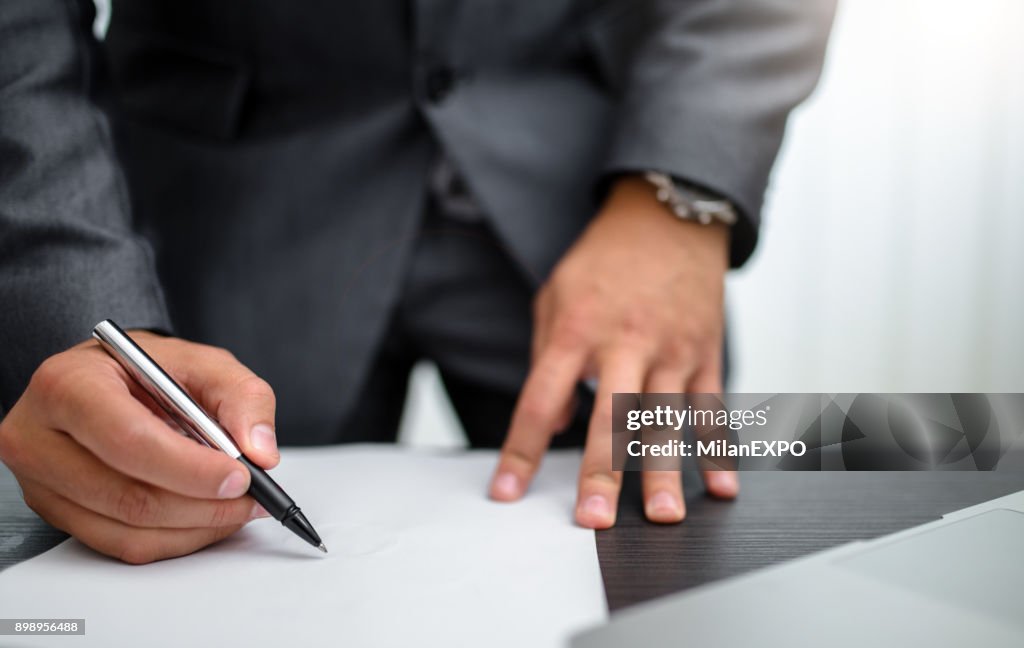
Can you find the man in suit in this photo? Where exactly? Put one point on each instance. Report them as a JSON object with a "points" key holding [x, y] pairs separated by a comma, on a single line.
{"points": [[336, 190]]}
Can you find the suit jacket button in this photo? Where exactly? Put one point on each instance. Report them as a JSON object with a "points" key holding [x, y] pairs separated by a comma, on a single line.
{"points": [[439, 83]]}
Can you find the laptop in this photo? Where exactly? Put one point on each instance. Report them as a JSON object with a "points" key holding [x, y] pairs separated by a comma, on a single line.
{"points": [[958, 581]]}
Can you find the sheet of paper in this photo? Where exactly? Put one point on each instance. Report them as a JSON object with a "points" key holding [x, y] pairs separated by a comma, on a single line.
{"points": [[418, 556]]}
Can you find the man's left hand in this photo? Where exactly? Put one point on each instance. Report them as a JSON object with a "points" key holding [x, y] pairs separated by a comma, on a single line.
{"points": [[636, 303]]}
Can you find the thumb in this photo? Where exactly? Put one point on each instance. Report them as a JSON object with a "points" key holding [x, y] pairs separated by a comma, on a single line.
{"points": [[241, 401], [247, 412]]}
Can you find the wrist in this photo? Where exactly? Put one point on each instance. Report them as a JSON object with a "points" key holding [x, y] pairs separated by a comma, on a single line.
{"points": [[632, 205]]}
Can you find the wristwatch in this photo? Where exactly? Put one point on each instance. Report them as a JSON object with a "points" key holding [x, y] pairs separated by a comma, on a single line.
{"points": [[690, 203]]}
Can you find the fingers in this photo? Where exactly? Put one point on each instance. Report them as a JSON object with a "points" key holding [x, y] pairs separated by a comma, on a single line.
{"points": [[95, 458], [723, 484], [541, 325], [98, 411], [546, 396], [90, 483], [241, 401], [599, 485], [663, 496], [130, 544], [663, 489]]}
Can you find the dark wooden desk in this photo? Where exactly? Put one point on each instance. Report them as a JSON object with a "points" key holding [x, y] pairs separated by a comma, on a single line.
{"points": [[779, 516]]}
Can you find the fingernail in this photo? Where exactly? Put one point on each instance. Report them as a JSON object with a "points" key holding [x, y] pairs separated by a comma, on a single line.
{"points": [[506, 486], [258, 512], [597, 506], [233, 486], [663, 505], [724, 484], [262, 438]]}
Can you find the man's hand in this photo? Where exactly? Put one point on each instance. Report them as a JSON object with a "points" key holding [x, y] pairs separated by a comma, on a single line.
{"points": [[637, 303], [95, 457]]}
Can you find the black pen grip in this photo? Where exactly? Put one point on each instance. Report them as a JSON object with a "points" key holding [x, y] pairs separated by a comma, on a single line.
{"points": [[265, 490]]}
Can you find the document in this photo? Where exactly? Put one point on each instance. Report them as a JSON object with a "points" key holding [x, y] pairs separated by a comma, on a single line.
{"points": [[418, 556]]}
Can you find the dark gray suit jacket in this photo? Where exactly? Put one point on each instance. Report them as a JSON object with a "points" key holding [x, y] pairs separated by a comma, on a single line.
{"points": [[276, 155]]}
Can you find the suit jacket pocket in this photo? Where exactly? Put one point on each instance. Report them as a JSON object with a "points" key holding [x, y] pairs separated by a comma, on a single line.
{"points": [[177, 85]]}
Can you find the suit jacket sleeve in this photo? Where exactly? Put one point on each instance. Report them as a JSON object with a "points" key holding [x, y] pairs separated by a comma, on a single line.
{"points": [[68, 256], [709, 91]]}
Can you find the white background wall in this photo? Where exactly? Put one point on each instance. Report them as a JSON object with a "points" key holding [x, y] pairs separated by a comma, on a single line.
{"points": [[893, 251], [894, 246]]}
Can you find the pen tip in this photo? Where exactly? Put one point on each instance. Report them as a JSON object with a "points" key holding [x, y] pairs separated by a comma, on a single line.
{"points": [[322, 548]]}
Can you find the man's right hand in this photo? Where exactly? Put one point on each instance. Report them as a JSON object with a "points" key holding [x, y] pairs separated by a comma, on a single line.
{"points": [[96, 458]]}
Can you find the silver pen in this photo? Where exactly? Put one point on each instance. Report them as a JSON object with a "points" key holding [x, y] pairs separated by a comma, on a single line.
{"points": [[201, 426]]}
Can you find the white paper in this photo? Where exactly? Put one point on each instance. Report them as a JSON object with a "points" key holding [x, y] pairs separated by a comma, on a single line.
{"points": [[418, 556]]}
